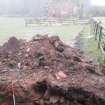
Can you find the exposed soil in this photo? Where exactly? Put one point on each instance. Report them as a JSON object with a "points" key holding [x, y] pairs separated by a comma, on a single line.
{"points": [[45, 71]]}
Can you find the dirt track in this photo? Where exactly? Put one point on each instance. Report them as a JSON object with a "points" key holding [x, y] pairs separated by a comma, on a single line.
{"points": [[45, 71]]}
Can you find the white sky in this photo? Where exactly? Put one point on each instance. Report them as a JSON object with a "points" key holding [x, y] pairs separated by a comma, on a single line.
{"points": [[98, 2]]}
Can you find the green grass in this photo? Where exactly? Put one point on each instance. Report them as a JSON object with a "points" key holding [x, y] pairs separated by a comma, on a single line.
{"points": [[11, 26], [90, 46]]}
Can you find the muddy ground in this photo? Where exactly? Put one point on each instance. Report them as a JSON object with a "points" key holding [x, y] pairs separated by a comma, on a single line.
{"points": [[45, 71]]}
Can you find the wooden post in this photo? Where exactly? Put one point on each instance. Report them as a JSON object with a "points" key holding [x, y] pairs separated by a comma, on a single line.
{"points": [[92, 26], [96, 31], [100, 36]]}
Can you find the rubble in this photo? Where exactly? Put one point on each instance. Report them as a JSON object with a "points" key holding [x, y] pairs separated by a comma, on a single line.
{"points": [[45, 71]]}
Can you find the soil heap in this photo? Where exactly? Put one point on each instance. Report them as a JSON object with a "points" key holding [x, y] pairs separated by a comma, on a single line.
{"points": [[45, 71]]}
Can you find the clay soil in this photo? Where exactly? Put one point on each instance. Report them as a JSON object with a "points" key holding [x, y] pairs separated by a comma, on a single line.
{"points": [[45, 71]]}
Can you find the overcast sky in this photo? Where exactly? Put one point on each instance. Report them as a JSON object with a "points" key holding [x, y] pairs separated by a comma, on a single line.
{"points": [[94, 2], [98, 2]]}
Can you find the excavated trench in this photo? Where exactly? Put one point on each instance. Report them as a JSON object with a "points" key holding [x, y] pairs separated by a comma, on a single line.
{"points": [[45, 71]]}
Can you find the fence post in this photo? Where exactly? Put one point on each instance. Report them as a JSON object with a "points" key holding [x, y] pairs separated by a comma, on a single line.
{"points": [[100, 36], [96, 30], [95, 27], [92, 26]]}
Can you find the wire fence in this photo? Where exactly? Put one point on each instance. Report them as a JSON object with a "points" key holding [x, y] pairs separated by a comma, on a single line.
{"points": [[98, 29]]}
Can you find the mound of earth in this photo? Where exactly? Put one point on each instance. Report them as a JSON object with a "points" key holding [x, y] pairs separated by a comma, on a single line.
{"points": [[45, 71]]}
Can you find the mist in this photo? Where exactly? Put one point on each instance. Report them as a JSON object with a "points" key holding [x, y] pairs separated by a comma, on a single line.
{"points": [[23, 7], [44, 8], [98, 2]]}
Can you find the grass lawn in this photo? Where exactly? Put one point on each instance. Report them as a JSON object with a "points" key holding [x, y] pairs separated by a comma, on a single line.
{"points": [[11, 26], [90, 46]]}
